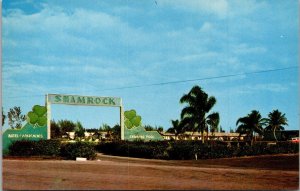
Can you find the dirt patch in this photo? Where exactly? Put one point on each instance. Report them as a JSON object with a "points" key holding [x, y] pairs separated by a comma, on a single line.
{"points": [[263, 173]]}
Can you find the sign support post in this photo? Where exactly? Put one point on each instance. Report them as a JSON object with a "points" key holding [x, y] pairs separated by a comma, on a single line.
{"points": [[122, 123], [48, 106]]}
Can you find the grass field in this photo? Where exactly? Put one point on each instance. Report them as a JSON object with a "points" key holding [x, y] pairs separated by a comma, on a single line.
{"points": [[280, 172]]}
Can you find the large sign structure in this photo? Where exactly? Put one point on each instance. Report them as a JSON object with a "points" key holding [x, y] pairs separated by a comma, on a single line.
{"points": [[38, 120], [130, 122], [86, 101]]}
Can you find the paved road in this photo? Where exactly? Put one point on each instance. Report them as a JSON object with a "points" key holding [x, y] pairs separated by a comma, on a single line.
{"points": [[123, 173]]}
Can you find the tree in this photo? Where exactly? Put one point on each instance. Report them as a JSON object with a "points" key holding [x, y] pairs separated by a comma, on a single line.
{"points": [[116, 132], [160, 129], [92, 130], [15, 118], [195, 115], [251, 123], [275, 121], [213, 121], [3, 117], [108, 130], [177, 128], [149, 128], [55, 130], [105, 127], [79, 130], [66, 126], [97, 135]]}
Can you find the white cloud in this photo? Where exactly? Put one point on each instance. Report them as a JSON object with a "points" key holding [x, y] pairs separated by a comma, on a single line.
{"points": [[245, 7], [54, 20], [11, 69], [269, 87], [25, 70], [244, 48], [218, 8], [84, 34], [206, 27], [223, 9], [169, 50]]}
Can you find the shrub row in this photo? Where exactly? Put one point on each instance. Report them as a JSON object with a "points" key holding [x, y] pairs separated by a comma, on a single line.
{"points": [[35, 148], [153, 150], [53, 148], [185, 150], [174, 150]]}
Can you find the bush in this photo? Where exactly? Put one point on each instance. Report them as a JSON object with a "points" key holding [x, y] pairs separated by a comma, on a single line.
{"points": [[189, 149], [152, 150], [186, 150], [35, 148], [48, 147], [288, 147], [139, 149], [52, 148], [22, 148], [172, 150], [182, 150], [78, 149], [113, 148]]}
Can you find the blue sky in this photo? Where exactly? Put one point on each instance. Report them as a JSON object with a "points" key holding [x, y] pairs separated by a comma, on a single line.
{"points": [[94, 47]]}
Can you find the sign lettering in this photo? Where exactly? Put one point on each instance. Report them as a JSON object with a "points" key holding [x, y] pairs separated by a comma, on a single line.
{"points": [[84, 100]]}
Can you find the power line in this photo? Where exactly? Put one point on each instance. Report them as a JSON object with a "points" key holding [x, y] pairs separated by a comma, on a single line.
{"points": [[185, 81], [201, 79]]}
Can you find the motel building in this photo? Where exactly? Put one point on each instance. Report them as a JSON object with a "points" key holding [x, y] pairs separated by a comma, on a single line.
{"points": [[220, 136], [87, 135]]}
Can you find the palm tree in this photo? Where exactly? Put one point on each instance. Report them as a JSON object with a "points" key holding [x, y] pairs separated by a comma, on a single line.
{"points": [[251, 123], [213, 121], [194, 116], [275, 121], [177, 128]]}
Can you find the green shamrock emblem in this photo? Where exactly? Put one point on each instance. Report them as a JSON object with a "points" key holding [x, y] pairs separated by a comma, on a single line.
{"points": [[37, 116], [131, 119]]}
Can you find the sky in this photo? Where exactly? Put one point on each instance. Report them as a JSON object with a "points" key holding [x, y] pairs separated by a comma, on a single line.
{"points": [[131, 49]]}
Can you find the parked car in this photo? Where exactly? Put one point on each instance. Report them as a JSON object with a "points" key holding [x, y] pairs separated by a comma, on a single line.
{"points": [[294, 139]]}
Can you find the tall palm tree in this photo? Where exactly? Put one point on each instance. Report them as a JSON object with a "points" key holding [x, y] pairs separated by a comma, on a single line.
{"points": [[251, 123], [177, 128], [195, 115], [275, 121]]}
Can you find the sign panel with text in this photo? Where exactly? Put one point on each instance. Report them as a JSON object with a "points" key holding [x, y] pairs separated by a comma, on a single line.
{"points": [[84, 100], [134, 130], [35, 129]]}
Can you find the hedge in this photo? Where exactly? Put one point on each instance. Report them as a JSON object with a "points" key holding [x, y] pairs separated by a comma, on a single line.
{"points": [[186, 150], [35, 148], [53, 148], [155, 150], [169, 150]]}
